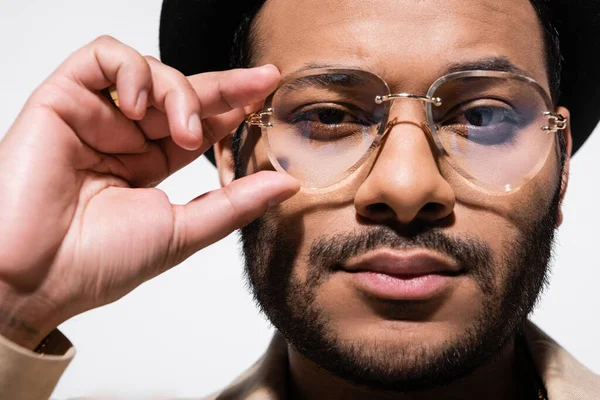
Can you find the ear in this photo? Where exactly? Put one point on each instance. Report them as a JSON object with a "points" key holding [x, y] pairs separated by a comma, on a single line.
{"points": [[225, 161], [565, 173]]}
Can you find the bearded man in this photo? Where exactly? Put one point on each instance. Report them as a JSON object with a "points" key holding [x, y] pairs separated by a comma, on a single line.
{"points": [[396, 168]]}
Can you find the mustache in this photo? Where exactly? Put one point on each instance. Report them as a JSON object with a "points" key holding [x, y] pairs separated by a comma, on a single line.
{"points": [[331, 252]]}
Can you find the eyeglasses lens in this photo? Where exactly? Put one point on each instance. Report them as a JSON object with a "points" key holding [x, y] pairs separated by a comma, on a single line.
{"points": [[324, 125], [492, 129]]}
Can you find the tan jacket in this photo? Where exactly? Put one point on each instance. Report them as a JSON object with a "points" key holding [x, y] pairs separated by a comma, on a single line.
{"points": [[25, 375]]}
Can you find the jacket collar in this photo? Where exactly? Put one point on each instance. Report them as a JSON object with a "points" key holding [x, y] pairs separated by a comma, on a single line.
{"points": [[563, 376]]}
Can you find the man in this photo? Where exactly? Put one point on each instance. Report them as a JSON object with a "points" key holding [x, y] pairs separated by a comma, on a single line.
{"points": [[421, 154]]}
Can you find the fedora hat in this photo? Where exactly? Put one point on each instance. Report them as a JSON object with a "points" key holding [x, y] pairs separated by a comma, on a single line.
{"points": [[197, 36]]}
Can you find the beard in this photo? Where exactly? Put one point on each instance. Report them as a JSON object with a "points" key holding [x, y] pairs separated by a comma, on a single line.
{"points": [[292, 308], [510, 288]]}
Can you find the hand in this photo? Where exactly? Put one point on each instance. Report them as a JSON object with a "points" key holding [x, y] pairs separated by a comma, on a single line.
{"points": [[80, 222]]}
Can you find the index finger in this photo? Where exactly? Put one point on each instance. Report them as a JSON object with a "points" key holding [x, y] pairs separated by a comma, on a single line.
{"points": [[220, 92]]}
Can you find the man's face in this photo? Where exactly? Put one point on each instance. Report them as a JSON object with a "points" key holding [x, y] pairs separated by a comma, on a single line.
{"points": [[489, 252]]}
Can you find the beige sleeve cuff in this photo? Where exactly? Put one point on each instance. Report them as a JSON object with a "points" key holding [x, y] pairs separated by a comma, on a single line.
{"points": [[26, 375]]}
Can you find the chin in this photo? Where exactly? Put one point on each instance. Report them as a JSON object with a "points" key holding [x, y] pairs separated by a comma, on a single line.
{"points": [[398, 356]]}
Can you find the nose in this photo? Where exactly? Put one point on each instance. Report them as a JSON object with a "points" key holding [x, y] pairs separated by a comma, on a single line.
{"points": [[405, 183]]}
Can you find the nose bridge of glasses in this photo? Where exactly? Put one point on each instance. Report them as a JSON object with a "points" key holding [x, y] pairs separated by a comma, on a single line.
{"points": [[436, 101], [401, 113]]}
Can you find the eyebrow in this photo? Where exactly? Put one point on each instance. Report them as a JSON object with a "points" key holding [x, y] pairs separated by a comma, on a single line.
{"points": [[325, 80], [499, 63], [485, 64]]}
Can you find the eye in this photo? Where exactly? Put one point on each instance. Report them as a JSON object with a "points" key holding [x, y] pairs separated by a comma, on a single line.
{"points": [[485, 124], [484, 117], [331, 116], [328, 115], [331, 122]]}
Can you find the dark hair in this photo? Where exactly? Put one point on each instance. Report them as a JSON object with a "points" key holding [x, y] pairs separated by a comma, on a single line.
{"points": [[243, 39], [554, 58]]}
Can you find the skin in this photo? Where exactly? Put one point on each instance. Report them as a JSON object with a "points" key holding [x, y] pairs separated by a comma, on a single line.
{"points": [[410, 50]]}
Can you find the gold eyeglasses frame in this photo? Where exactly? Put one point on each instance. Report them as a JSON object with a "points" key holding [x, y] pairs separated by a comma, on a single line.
{"points": [[261, 119]]}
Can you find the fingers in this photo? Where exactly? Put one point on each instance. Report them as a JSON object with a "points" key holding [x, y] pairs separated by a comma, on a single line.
{"points": [[143, 81], [173, 95], [163, 157], [174, 156], [188, 114], [216, 214], [188, 102], [140, 81], [107, 61], [220, 92], [71, 95]]}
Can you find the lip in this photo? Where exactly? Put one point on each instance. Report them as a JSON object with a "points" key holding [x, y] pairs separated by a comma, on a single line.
{"points": [[396, 275], [403, 263]]}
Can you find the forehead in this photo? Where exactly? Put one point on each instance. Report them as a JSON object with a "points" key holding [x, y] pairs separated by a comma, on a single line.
{"points": [[407, 42]]}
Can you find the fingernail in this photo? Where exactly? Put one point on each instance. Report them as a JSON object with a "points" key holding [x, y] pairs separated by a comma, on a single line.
{"points": [[142, 100], [195, 125], [267, 67]]}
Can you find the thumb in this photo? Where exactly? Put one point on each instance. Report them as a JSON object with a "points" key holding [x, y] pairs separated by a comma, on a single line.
{"points": [[214, 215]]}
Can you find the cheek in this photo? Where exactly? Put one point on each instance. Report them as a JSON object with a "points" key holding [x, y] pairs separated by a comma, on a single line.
{"points": [[314, 213], [507, 222], [308, 221], [514, 211]]}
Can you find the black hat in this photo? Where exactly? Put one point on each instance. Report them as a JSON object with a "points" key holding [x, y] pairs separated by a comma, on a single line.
{"points": [[197, 36]]}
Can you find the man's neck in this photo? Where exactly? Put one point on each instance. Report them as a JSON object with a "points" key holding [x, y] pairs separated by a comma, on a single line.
{"points": [[494, 381]]}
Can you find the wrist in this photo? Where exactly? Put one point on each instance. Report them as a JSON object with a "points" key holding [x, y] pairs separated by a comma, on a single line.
{"points": [[23, 320], [19, 332]]}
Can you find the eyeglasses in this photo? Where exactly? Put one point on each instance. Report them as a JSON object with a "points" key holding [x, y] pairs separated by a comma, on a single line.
{"points": [[495, 128]]}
